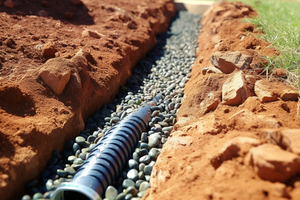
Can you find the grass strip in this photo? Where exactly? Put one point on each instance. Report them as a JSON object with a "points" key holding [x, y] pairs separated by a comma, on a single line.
{"points": [[280, 22]]}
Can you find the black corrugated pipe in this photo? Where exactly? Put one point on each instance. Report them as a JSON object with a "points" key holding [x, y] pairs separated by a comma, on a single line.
{"points": [[107, 159]]}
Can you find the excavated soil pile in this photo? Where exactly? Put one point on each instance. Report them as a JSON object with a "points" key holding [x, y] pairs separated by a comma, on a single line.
{"points": [[60, 61], [238, 133]]}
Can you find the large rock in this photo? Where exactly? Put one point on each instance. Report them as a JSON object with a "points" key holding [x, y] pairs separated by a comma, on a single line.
{"points": [[264, 91], [268, 91], [232, 149], [210, 103], [229, 61], [272, 163], [275, 136], [56, 74], [234, 90]]}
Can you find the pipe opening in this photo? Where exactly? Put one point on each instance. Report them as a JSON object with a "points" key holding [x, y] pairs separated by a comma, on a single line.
{"points": [[71, 195]]}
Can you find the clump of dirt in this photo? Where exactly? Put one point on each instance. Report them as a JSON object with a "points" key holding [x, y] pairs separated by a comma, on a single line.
{"points": [[92, 45], [237, 131]]}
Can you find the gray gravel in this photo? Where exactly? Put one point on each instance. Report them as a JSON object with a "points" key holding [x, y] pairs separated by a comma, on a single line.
{"points": [[164, 71]]}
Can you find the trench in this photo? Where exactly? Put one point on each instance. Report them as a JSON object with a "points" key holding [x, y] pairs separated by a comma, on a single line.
{"points": [[163, 72]]}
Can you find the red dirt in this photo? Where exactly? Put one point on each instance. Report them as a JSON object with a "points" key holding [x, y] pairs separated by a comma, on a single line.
{"points": [[33, 119], [190, 165]]}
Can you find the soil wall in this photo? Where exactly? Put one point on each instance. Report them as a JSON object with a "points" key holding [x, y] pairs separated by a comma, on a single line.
{"points": [[36, 116]]}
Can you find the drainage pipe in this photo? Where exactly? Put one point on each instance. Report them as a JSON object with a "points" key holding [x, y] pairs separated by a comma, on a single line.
{"points": [[107, 159]]}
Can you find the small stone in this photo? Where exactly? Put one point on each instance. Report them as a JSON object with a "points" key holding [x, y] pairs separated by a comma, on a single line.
{"points": [[37, 196], [144, 186], [272, 163], [132, 164], [141, 175], [26, 197], [145, 159], [111, 193], [141, 194], [127, 182], [78, 161], [131, 190], [121, 196], [141, 167], [61, 173], [138, 183], [76, 147], [80, 140], [148, 169], [154, 140], [153, 154], [70, 171], [91, 33], [128, 197], [132, 174], [9, 4], [49, 184], [49, 50]]}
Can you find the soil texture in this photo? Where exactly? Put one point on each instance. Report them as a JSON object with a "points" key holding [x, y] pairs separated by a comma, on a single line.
{"points": [[237, 131], [61, 60]]}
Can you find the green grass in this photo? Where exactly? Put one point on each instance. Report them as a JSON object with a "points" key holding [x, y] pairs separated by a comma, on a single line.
{"points": [[280, 21]]}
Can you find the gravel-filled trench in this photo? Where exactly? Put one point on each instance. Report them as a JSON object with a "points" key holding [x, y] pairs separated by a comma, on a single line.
{"points": [[164, 71]]}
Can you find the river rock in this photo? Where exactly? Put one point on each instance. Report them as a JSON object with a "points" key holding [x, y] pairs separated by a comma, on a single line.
{"points": [[272, 163], [229, 61], [111, 193], [234, 90]]}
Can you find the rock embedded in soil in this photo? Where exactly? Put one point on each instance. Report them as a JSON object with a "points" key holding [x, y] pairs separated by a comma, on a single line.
{"points": [[210, 103], [264, 92], [293, 137], [49, 50], [229, 61], [56, 73], [234, 90], [272, 163], [91, 33]]}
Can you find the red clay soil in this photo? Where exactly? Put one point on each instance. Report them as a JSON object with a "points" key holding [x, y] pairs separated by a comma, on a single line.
{"points": [[34, 120], [246, 151]]}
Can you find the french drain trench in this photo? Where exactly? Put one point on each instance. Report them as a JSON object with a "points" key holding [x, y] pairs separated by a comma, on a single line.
{"points": [[163, 73]]}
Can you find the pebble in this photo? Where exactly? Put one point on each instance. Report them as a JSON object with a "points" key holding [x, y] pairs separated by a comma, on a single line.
{"points": [[131, 190], [37, 196], [80, 140], [127, 182], [132, 164], [121, 196], [26, 197], [145, 159], [111, 193], [132, 174]]}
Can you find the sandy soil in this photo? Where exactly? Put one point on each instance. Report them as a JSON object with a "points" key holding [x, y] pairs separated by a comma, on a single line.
{"points": [[246, 150], [35, 120]]}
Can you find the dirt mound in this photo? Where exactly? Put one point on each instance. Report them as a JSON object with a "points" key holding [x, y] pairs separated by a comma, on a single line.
{"points": [[237, 132], [59, 62]]}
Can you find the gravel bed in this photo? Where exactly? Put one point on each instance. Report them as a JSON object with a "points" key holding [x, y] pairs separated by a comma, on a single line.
{"points": [[164, 71]]}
